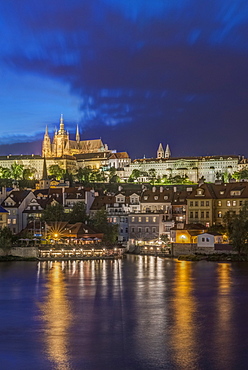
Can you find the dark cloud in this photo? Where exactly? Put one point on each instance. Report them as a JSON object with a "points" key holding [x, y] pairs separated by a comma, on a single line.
{"points": [[174, 71]]}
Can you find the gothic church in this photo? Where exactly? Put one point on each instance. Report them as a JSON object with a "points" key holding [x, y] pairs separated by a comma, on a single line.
{"points": [[61, 144]]}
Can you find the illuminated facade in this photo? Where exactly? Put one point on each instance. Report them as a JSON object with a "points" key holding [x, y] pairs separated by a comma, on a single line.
{"points": [[61, 144]]}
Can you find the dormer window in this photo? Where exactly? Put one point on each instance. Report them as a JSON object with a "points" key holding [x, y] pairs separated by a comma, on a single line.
{"points": [[145, 198], [222, 192], [156, 197], [165, 197]]}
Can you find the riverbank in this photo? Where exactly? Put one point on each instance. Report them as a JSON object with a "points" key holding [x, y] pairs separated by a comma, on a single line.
{"points": [[214, 257]]}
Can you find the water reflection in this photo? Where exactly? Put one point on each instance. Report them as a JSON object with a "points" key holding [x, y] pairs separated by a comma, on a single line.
{"points": [[223, 328], [55, 312], [183, 336]]}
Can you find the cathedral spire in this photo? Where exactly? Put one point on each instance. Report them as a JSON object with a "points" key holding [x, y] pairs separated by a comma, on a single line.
{"points": [[61, 124], [77, 135], [46, 132]]}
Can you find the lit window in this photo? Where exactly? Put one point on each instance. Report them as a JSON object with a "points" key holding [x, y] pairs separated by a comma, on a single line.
{"points": [[14, 221], [219, 203], [9, 221], [234, 203], [147, 219], [133, 219], [228, 203], [219, 214], [154, 219], [139, 219]]}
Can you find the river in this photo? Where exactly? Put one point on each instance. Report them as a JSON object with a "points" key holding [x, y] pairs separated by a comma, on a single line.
{"points": [[141, 312]]}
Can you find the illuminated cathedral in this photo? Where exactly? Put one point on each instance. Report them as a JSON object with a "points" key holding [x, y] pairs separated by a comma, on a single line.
{"points": [[61, 144]]}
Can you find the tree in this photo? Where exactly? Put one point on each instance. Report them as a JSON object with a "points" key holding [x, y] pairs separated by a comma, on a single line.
{"points": [[238, 226], [5, 173], [100, 223], [6, 238], [83, 174], [56, 171], [134, 175], [242, 174], [16, 171], [152, 175], [28, 173], [78, 213], [54, 213]]}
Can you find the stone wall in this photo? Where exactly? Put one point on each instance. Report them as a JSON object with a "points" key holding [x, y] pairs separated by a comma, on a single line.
{"points": [[178, 249], [25, 252]]}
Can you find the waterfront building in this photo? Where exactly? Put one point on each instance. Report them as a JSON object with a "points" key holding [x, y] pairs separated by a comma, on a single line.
{"points": [[3, 217], [15, 203], [208, 203]]}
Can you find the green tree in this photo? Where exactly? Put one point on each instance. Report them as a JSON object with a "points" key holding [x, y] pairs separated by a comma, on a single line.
{"points": [[240, 175], [54, 213], [83, 174], [100, 223], [56, 171], [16, 171], [134, 175], [28, 173], [152, 175], [6, 239], [78, 213], [238, 229]]}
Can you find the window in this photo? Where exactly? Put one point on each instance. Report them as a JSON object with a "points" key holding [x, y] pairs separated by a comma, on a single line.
{"points": [[139, 218], [196, 214], [207, 239], [240, 202], [207, 214], [1, 217], [147, 219], [147, 229], [14, 221], [219, 214], [133, 219], [9, 221], [207, 203], [126, 229], [196, 203], [228, 203], [219, 203], [139, 229], [191, 215], [191, 204], [154, 229], [202, 214], [203, 239], [156, 197], [132, 229], [234, 203], [202, 203], [154, 219]]}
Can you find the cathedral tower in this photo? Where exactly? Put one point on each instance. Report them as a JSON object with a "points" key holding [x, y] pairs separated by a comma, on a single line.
{"points": [[46, 145]]}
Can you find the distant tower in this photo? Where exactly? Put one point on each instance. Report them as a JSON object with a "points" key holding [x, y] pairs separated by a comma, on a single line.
{"points": [[60, 139], [46, 145], [44, 182], [160, 151], [167, 153], [77, 136]]}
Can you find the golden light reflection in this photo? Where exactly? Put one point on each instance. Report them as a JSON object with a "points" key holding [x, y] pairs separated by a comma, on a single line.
{"points": [[223, 328], [55, 312], [183, 337]]}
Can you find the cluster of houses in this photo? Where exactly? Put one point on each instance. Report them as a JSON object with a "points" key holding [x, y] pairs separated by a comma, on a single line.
{"points": [[145, 215]]}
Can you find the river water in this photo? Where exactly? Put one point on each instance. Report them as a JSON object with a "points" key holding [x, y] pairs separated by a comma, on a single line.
{"points": [[141, 312]]}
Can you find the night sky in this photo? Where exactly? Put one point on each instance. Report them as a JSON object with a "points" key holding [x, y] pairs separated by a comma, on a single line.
{"points": [[133, 72]]}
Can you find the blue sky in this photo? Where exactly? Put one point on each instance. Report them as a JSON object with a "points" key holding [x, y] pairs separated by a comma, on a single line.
{"points": [[133, 72]]}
